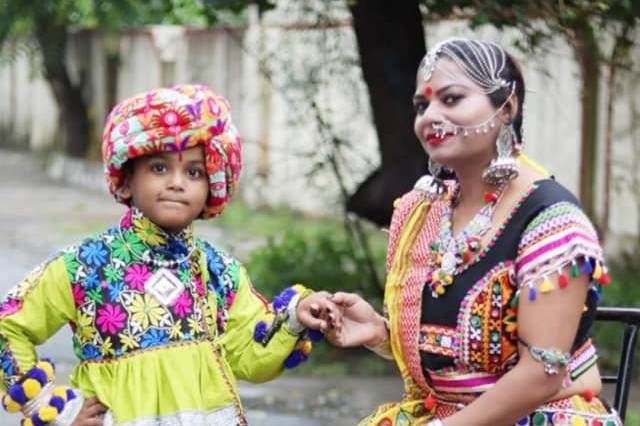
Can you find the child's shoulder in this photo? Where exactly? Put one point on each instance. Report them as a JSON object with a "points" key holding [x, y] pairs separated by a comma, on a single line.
{"points": [[215, 254], [97, 241]]}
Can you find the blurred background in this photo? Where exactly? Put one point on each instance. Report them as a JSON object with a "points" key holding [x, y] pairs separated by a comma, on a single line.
{"points": [[321, 92]]}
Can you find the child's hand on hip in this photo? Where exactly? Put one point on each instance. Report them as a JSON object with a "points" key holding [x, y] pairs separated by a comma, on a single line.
{"points": [[90, 413]]}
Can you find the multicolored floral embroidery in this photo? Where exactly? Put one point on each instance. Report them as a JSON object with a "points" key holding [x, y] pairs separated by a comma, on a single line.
{"points": [[172, 120], [115, 314]]}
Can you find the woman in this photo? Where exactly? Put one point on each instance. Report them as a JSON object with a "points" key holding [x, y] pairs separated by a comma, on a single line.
{"points": [[494, 276]]}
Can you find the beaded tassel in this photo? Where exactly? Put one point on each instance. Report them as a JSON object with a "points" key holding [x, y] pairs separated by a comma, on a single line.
{"points": [[546, 285], [563, 280]]}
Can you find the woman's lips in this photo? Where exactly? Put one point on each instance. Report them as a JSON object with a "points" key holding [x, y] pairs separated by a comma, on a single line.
{"points": [[435, 139]]}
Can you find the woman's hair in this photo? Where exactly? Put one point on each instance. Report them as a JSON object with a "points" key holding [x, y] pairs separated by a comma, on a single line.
{"points": [[488, 65]]}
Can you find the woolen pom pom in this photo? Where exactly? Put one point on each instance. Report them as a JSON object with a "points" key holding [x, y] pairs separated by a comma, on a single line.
{"points": [[294, 359], [315, 335], [39, 375], [47, 414], [57, 402], [10, 405], [31, 388], [48, 368], [260, 332], [17, 394], [71, 395]]}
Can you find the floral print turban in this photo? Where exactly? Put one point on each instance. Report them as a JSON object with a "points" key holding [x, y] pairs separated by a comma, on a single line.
{"points": [[172, 120]]}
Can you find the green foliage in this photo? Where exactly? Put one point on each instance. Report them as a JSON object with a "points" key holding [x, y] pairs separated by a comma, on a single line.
{"points": [[633, 417], [324, 261], [539, 20], [623, 291]]}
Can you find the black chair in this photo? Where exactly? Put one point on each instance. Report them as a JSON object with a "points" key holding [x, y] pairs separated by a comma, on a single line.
{"points": [[630, 317]]}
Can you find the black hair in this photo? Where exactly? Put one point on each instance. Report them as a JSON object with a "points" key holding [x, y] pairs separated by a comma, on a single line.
{"points": [[511, 72]]}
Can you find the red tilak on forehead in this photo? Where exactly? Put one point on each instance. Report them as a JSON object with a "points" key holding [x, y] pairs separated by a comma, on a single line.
{"points": [[428, 91]]}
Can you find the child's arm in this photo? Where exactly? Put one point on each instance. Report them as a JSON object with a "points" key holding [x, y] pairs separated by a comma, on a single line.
{"points": [[256, 349], [32, 312]]}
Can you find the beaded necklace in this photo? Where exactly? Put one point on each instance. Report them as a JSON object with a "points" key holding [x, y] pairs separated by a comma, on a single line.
{"points": [[449, 253], [163, 285]]}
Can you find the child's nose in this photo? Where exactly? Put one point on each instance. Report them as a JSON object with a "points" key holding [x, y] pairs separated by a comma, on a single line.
{"points": [[176, 181]]}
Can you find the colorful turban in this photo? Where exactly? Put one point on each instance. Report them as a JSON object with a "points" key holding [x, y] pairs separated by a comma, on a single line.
{"points": [[172, 120]]}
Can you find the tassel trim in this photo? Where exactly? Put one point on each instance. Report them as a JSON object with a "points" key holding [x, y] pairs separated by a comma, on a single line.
{"points": [[594, 269]]}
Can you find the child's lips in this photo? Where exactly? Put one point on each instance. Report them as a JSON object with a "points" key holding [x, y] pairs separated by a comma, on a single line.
{"points": [[171, 201]]}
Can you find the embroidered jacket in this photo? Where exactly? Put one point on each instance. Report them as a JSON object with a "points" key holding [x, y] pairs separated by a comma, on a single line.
{"points": [[153, 350]]}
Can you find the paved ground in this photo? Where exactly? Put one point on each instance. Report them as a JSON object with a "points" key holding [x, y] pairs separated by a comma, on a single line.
{"points": [[38, 216]]}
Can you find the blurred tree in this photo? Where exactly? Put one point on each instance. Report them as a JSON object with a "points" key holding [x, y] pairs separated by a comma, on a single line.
{"points": [[45, 24], [391, 44]]}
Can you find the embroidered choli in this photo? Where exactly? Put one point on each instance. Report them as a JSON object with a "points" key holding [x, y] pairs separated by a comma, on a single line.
{"points": [[144, 359], [451, 348]]}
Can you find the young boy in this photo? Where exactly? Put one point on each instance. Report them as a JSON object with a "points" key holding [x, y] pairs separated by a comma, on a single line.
{"points": [[164, 323]]}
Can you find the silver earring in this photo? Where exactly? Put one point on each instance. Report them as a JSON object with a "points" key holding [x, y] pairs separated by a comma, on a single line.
{"points": [[431, 184], [504, 167], [434, 168]]}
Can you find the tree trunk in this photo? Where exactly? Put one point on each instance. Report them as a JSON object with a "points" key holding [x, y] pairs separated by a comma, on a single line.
{"points": [[391, 44], [608, 147], [587, 54], [73, 118]]}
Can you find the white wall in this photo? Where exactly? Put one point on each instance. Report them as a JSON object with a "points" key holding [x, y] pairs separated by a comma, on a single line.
{"points": [[274, 115]]}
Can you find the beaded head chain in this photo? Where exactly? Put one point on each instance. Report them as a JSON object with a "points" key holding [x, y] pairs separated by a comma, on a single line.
{"points": [[481, 62]]}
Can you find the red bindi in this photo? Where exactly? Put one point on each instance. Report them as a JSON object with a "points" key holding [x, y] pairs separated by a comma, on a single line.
{"points": [[428, 91]]}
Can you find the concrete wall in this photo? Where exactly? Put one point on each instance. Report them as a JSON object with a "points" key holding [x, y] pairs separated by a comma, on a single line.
{"points": [[265, 70]]}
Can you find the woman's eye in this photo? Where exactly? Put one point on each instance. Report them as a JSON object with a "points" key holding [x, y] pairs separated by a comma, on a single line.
{"points": [[420, 107], [451, 99], [158, 168]]}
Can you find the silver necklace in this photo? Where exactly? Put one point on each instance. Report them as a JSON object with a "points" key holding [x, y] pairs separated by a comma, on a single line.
{"points": [[450, 253], [163, 285]]}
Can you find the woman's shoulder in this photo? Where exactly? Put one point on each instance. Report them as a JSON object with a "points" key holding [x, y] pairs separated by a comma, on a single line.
{"points": [[547, 192]]}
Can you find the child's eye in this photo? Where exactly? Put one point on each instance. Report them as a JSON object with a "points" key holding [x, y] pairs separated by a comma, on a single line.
{"points": [[195, 173], [158, 168], [451, 99], [420, 107]]}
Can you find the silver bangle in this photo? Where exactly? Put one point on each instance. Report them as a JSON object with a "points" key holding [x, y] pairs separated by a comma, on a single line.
{"points": [[292, 316]]}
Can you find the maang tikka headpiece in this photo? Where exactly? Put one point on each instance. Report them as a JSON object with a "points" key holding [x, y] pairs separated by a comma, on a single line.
{"points": [[483, 63]]}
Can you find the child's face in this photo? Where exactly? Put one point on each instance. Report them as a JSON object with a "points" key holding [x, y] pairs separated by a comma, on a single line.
{"points": [[170, 189]]}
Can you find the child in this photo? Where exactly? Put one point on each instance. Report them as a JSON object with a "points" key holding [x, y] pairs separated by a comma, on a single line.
{"points": [[163, 322]]}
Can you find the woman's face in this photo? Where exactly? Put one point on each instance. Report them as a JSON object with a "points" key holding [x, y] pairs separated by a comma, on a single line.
{"points": [[450, 97]]}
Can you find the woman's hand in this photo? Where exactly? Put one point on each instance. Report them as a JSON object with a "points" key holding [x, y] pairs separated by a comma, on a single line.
{"points": [[88, 415], [360, 323]]}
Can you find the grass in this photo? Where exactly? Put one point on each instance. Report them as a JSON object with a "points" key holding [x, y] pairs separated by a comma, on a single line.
{"points": [[240, 217], [248, 222]]}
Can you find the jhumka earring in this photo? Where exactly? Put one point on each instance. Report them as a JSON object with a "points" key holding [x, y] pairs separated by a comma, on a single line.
{"points": [[504, 166], [434, 168], [432, 185]]}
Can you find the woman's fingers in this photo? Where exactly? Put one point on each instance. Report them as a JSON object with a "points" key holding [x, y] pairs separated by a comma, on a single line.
{"points": [[345, 299]]}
